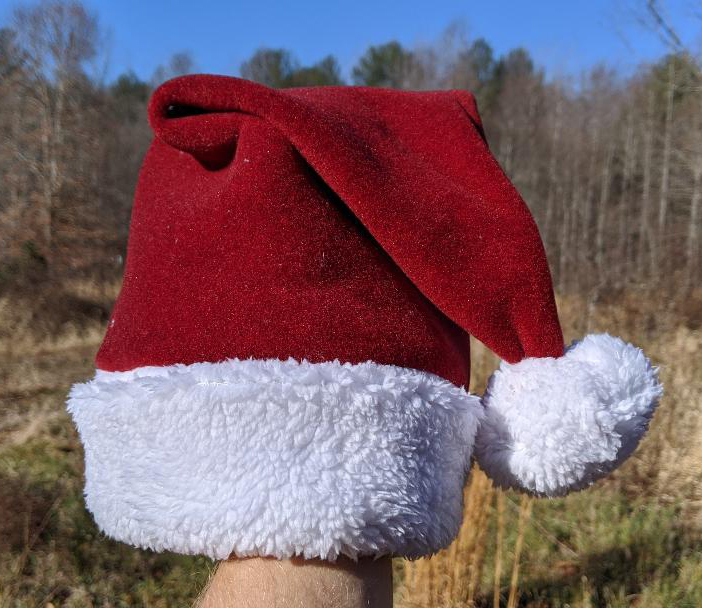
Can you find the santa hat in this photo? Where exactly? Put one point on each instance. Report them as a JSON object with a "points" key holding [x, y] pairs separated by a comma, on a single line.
{"points": [[285, 371]]}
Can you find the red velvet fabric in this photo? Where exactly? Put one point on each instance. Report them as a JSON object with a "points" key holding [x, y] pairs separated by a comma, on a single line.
{"points": [[326, 223]]}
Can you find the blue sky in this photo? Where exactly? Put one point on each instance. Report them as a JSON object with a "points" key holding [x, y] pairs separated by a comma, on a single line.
{"points": [[563, 36]]}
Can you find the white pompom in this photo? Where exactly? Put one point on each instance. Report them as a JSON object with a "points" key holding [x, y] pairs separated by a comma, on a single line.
{"points": [[556, 425]]}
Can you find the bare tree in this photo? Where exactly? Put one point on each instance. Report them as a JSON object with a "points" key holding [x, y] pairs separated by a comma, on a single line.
{"points": [[654, 17], [667, 142], [179, 64], [57, 38]]}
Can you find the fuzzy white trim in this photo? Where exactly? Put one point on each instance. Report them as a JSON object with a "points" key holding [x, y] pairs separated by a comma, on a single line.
{"points": [[276, 458], [555, 425]]}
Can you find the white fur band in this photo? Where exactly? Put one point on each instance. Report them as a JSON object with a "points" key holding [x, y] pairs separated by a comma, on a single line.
{"points": [[276, 458], [282, 458], [556, 425]]}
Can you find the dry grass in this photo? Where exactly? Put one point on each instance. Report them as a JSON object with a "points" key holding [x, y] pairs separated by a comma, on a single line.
{"points": [[61, 318], [633, 540]]}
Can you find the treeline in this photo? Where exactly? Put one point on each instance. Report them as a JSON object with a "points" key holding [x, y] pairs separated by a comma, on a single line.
{"points": [[611, 167]]}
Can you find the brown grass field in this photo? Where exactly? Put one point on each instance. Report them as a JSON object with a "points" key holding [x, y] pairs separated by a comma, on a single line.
{"points": [[634, 539]]}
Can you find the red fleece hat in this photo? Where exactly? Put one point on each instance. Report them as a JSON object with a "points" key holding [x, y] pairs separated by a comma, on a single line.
{"points": [[291, 342], [274, 207]]}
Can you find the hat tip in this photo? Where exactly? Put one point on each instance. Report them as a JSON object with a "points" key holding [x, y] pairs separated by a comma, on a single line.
{"points": [[554, 425]]}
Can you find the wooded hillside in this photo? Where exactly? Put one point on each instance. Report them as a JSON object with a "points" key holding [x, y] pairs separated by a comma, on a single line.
{"points": [[611, 166]]}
